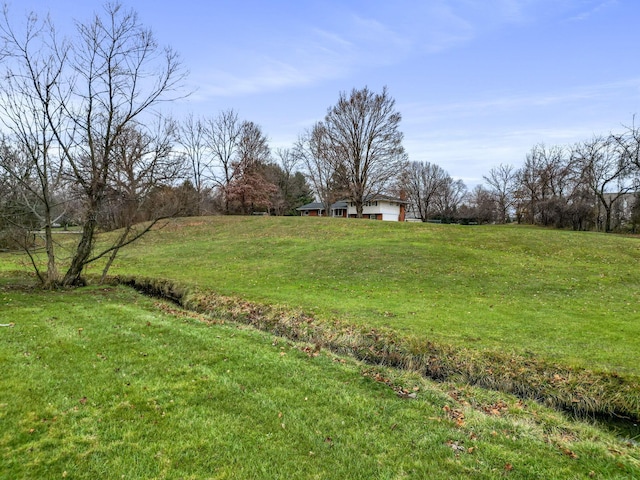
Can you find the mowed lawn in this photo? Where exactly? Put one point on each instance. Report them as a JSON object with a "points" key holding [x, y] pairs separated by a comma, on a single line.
{"points": [[101, 382], [571, 297]]}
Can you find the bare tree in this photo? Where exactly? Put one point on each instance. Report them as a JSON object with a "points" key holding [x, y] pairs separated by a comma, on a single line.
{"points": [[223, 136], [627, 145], [192, 137], [287, 161], [479, 206], [544, 186], [145, 159], [364, 143], [450, 199], [606, 172], [31, 113], [501, 180], [21, 212], [283, 175], [86, 94], [423, 183], [311, 150]]}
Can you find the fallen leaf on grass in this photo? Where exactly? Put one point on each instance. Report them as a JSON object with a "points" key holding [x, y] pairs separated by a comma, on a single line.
{"points": [[455, 414], [403, 394]]}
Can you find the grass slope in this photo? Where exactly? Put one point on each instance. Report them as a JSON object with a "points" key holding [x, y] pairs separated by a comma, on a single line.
{"points": [[104, 383], [566, 296]]}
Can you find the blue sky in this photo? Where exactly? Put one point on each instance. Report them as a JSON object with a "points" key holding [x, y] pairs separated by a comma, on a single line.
{"points": [[478, 82]]}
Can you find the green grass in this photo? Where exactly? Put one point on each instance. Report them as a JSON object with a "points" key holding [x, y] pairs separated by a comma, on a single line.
{"points": [[570, 297], [104, 383], [545, 303]]}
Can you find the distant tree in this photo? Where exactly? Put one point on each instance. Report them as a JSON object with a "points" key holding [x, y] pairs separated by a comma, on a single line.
{"points": [[450, 199], [169, 200], [287, 162], [607, 173], [480, 206], [249, 187], [362, 142], [192, 136], [311, 150], [501, 180], [292, 187], [299, 193], [423, 183], [544, 186], [223, 141], [627, 145]]}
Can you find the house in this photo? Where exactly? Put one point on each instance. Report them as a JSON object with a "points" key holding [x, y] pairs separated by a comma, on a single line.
{"points": [[313, 209], [376, 207]]}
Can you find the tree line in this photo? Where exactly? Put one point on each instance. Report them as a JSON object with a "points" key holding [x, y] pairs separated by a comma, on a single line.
{"points": [[591, 185]]}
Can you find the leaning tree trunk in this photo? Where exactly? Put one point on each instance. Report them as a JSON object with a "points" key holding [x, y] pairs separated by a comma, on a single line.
{"points": [[73, 277], [114, 253]]}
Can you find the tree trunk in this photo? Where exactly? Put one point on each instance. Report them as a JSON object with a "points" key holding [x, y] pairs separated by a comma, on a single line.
{"points": [[114, 253], [607, 218], [359, 208], [85, 246], [52, 271]]}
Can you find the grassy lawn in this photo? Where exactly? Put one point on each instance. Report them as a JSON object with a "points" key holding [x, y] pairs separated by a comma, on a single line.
{"points": [[101, 382], [571, 297]]}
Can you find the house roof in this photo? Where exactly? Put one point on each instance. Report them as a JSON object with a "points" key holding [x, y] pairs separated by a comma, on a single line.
{"points": [[311, 206], [340, 204], [388, 198]]}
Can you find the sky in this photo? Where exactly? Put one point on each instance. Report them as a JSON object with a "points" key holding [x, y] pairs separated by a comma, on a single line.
{"points": [[478, 82]]}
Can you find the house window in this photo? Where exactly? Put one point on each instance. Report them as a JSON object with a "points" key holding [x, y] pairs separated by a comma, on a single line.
{"points": [[373, 216]]}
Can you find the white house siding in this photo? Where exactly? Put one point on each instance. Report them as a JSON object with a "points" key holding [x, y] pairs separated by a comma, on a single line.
{"points": [[388, 211]]}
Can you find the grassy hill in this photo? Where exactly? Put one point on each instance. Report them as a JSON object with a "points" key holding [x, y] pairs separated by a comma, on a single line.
{"points": [[567, 296], [97, 371]]}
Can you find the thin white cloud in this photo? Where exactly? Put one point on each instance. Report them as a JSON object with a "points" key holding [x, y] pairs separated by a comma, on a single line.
{"points": [[320, 55], [593, 10], [420, 112], [334, 49]]}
